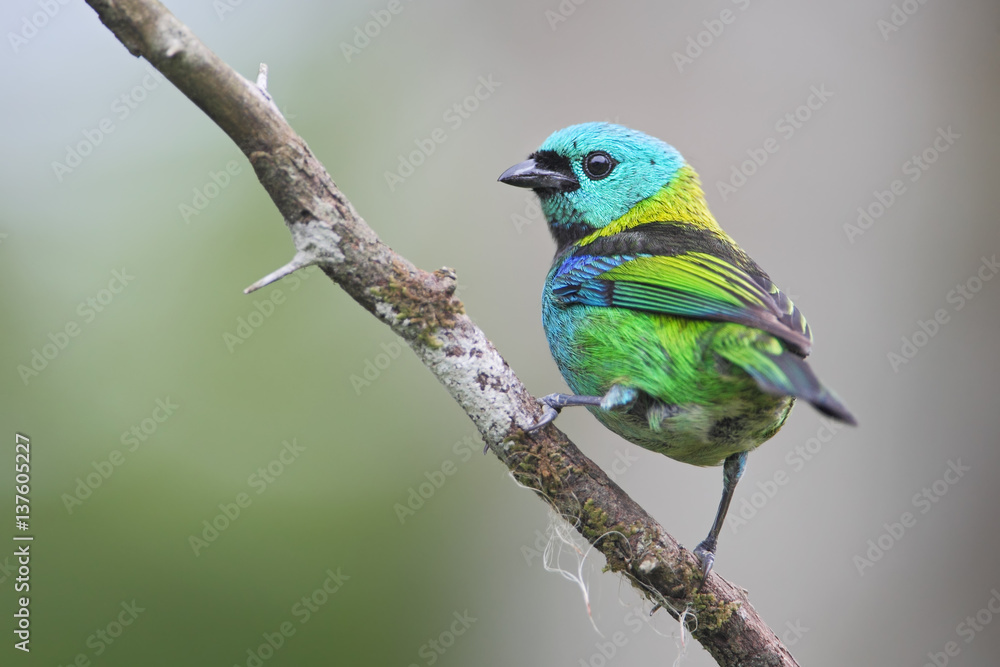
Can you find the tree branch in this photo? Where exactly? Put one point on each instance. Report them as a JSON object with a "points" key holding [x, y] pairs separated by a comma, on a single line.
{"points": [[422, 309]]}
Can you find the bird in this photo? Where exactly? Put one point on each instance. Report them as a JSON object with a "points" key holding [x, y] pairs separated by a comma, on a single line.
{"points": [[660, 324]]}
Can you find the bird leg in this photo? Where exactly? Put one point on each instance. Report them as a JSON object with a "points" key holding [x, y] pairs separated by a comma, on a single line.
{"points": [[732, 470], [617, 397]]}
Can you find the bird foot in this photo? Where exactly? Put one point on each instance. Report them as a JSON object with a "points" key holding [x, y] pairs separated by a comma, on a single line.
{"points": [[555, 402], [706, 556], [548, 416]]}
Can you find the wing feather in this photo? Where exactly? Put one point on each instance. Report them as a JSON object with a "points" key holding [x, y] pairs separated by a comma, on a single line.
{"points": [[691, 284]]}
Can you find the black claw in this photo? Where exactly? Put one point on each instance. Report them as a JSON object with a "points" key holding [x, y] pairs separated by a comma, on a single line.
{"points": [[555, 402], [548, 416], [706, 556]]}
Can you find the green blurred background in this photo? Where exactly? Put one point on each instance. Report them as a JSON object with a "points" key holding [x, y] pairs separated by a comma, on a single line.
{"points": [[354, 450]]}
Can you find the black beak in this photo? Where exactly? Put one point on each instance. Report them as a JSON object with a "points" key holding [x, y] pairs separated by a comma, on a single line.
{"points": [[542, 171]]}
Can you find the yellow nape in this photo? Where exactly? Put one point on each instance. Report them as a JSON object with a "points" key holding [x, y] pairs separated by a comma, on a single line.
{"points": [[680, 200]]}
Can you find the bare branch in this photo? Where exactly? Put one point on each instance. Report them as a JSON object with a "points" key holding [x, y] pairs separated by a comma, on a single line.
{"points": [[421, 307]]}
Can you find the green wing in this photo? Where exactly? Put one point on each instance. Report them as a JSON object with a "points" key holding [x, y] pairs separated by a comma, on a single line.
{"points": [[693, 284]]}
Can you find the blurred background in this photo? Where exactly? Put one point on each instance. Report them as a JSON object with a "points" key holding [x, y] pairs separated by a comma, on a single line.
{"points": [[220, 479]]}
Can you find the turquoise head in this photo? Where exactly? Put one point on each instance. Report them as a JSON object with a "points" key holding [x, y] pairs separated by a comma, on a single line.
{"points": [[589, 175]]}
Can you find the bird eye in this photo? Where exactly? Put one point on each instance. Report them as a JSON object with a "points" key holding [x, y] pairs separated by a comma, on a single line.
{"points": [[598, 165]]}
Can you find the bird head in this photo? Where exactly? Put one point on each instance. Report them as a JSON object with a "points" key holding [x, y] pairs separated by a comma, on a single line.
{"points": [[588, 176]]}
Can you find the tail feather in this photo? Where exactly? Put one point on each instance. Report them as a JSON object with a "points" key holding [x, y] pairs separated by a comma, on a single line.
{"points": [[787, 374]]}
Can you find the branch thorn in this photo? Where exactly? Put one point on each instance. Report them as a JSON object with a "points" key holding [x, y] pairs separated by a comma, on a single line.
{"points": [[262, 78], [300, 261]]}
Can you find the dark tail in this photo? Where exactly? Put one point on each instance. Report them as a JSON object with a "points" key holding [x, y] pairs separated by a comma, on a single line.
{"points": [[790, 375]]}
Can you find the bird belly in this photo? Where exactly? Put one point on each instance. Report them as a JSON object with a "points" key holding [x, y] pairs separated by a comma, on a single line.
{"points": [[693, 405]]}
